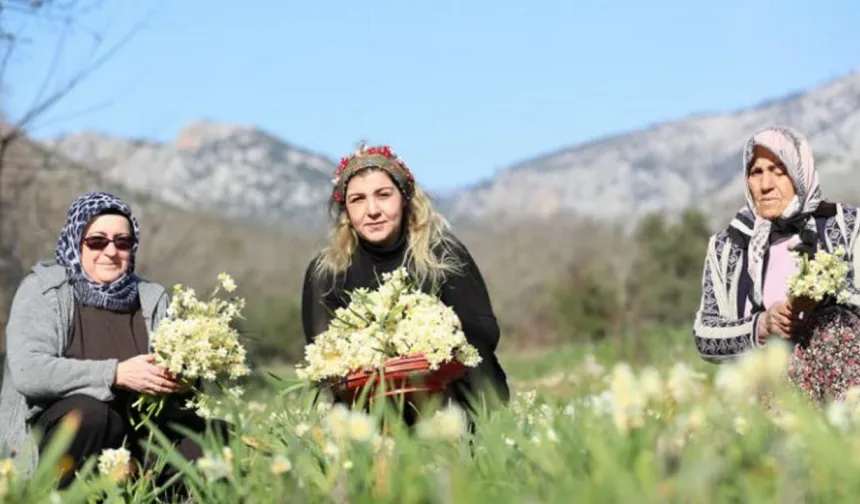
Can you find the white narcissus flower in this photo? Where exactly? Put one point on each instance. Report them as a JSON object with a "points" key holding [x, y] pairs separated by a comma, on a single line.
{"points": [[826, 274], [447, 423], [7, 474], [280, 465], [197, 339], [396, 319], [115, 464]]}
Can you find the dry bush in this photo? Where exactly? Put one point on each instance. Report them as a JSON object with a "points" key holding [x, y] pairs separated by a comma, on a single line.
{"points": [[522, 264]]}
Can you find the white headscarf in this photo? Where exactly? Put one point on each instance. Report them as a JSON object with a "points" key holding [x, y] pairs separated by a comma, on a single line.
{"points": [[793, 150]]}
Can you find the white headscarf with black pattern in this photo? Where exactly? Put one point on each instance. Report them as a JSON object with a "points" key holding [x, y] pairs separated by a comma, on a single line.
{"points": [[793, 150]]}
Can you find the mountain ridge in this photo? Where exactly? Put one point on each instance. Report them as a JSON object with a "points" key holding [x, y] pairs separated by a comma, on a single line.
{"points": [[612, 136], [613, 176], [208, 185], [246, 172]]}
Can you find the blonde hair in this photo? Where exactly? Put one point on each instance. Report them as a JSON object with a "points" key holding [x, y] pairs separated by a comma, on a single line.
{"points": [[429, 250]]}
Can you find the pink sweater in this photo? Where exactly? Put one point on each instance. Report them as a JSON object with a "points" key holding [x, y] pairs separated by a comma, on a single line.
{"points": [[780, 266]]}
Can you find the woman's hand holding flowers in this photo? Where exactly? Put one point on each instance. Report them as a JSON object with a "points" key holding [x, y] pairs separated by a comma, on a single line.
{"points": [[780, 320], [141, 375]]}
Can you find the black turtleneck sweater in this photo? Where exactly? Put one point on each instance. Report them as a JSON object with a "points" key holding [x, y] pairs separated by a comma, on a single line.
{"points": [[465, 292]]}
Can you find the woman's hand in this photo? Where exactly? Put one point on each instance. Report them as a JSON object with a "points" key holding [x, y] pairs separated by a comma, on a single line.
{"points": [[780, 319], [141, 375]]}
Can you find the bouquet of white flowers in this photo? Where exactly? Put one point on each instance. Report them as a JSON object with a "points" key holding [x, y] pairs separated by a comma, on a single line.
{"points": [[197, 341], [824, 363], [825, 275], [396, 329]]}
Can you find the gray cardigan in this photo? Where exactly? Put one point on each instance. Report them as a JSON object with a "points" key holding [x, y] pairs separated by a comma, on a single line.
{"points": [[35, 372]]}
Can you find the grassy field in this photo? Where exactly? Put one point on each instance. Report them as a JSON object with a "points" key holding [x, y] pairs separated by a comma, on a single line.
{"points": [[659, 425]]}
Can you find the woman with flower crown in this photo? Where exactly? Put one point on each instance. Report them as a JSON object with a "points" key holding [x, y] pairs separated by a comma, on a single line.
{"points": [[383, 220], [749, 265], [77, 341]]}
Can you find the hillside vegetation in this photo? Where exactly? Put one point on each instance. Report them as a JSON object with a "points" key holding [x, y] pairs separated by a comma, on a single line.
{"points": [[551, 281]]}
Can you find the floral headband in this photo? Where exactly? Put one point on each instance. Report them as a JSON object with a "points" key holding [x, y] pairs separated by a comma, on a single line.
{"points": [[381, 157]]}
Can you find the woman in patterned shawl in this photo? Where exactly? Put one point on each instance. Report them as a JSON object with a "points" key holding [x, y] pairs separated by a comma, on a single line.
{"points": [[78, 342], [744, 283]]}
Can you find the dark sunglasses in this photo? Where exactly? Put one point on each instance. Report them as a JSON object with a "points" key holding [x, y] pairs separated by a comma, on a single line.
{"points": [[101, 242]]}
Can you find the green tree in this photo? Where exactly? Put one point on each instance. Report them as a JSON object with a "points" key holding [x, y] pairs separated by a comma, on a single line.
{"points": [[272, 331], [663, 288], [587, 304]]}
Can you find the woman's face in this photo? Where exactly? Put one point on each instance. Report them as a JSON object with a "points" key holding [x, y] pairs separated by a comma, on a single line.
{"points": [[374, 206], [106, 248], [770, 184]]}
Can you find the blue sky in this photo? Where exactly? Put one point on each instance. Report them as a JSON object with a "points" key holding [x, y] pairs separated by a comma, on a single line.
{"points": [[459, 89]]}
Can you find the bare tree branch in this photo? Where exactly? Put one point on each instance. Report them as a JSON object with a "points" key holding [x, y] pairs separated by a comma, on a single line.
{"points": [[42, 107], [78, 113], [55, 62]]}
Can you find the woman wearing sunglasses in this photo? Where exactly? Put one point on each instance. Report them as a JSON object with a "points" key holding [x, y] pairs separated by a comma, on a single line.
{"points": [[77, 340]]}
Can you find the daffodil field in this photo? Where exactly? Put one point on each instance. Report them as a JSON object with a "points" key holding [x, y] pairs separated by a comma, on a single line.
{"points": [[597, 430]]}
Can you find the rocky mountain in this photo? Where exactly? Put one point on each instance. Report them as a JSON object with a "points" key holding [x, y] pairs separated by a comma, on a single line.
{"points": [[673, 165], [244, 172], [241, 172]]}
